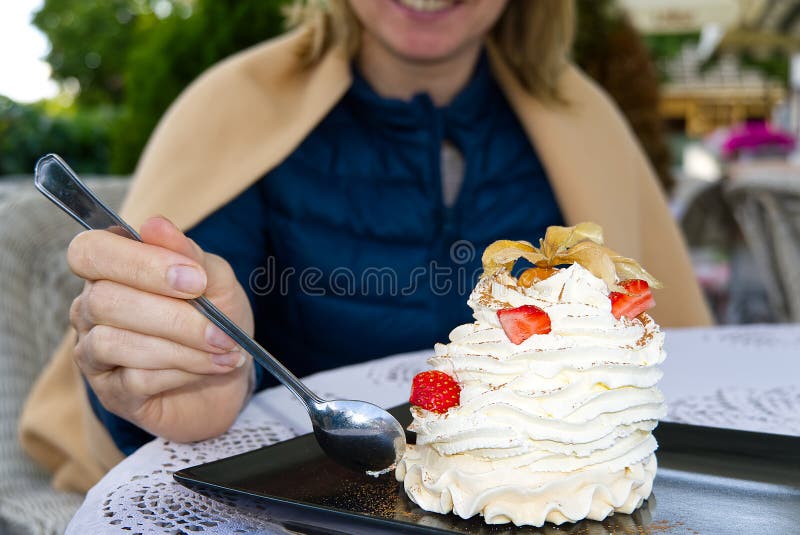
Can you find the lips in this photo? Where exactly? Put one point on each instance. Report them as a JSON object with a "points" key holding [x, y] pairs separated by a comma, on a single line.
{"points": [[428, 6]]}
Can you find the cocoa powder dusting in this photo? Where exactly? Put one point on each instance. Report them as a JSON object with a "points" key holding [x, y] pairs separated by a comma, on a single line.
{"points": [[490, 302], [384, 497]]}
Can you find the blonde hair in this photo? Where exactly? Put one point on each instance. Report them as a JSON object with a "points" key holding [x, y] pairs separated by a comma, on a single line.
{"points": [[534, 37]]}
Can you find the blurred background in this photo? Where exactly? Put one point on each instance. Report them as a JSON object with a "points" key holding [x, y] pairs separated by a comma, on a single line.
{"points": [[710, 88]]}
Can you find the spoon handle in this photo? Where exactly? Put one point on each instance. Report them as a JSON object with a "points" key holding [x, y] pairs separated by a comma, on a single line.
{"points": [[59, 183]]}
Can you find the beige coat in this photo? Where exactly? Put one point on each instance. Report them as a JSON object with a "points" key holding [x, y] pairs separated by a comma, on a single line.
{"points": [[248, 113]]}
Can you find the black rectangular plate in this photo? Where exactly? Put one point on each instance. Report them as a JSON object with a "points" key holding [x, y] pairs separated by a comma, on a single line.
{"points": [[710, 481]]}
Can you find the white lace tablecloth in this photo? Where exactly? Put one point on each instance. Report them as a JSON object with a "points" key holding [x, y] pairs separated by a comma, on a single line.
{"points": [[738, 377]]}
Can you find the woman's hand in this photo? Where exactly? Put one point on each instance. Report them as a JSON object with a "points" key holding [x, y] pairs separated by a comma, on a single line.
{"points": [[150, 357]]}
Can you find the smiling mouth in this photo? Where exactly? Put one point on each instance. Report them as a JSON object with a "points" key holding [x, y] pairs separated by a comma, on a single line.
{"points": [[428, 6]]}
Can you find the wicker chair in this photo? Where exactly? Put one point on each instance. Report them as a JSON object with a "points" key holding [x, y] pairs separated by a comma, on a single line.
{"points": [[36, 289], [768, 211]]}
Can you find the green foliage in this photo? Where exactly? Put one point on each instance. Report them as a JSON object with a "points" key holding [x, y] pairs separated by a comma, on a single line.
{"points": [[598, 19], [594, 18], [774, 66], [173, 52], [613, 53], [89, 40], [667, 46], [29, 131], [136, 56]]}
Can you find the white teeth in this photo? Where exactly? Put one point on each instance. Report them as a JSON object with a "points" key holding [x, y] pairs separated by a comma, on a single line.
{"points": [[427, 5]]}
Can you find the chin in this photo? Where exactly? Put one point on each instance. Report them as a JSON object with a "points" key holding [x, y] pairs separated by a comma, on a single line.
{"points": [[425, 49]]}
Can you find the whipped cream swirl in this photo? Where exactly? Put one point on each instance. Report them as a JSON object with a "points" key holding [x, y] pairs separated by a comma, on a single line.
{"points": [[555, 429]]}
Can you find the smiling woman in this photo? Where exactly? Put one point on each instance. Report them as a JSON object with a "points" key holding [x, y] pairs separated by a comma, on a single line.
{"points": [[379, 134]]}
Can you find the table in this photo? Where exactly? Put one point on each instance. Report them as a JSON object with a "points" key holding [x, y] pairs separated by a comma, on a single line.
{"points": [[743, 377]]}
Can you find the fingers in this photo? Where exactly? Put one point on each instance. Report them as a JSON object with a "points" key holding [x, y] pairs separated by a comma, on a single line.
{"points": [[162, 232], [120, 389], [116, 305], [222, 281], [77, 317], [100, 255], [106, 348], [138, 395], [148, 355], [147, 383]]}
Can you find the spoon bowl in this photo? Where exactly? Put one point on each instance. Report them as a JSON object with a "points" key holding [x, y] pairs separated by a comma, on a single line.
{"points": [[371, 438]]}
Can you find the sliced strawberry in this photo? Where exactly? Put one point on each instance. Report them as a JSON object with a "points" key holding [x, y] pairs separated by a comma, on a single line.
{"points": [[638, 299], [435, 391], [522, 322]]}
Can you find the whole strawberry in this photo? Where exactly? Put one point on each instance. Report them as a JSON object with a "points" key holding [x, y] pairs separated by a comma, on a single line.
{"points": [[435, 391]]}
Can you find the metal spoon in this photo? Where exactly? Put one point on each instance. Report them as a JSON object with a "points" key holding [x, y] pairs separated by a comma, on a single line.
{"points": [[357, 434]]}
